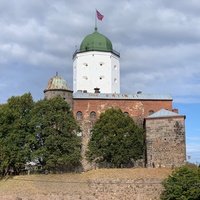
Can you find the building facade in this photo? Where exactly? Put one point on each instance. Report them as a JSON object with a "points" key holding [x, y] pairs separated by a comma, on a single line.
{"points": [[96, 85]]}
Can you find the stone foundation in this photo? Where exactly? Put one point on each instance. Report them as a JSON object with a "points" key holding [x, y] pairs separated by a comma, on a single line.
{"points": [[115, 189]]}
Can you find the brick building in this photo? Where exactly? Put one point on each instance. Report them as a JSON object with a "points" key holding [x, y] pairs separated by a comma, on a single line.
{"points": [[96, 85]]}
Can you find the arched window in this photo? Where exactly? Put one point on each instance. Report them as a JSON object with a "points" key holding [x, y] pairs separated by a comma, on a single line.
{"points": [[93, 116], [151, 112], [79, 115], [126, 113]]}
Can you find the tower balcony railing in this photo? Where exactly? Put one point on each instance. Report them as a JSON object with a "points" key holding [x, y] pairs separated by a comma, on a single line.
{"points": [[81, 51]]}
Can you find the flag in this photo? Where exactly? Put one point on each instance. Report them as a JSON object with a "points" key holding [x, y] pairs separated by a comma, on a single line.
{"points": [[99, 15]]}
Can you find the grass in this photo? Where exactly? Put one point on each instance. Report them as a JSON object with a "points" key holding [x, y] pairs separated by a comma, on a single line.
{"points": [[69, 183]]}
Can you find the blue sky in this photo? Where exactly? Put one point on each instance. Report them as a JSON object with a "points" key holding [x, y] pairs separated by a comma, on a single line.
{"points": [[159, 43], [192, 130]]}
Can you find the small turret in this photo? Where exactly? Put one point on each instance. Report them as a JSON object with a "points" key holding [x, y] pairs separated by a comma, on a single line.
{"points": [[57, 86]]}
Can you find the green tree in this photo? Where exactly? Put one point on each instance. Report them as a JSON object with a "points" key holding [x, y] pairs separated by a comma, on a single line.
{"points": [[54, 142], [183, 184], [14, 128], [116, 139]]}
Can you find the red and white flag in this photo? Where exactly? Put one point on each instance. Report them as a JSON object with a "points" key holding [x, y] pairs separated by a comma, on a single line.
{"points": [[99, 15]]}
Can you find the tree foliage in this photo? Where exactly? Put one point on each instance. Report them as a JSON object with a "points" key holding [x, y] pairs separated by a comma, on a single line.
{"points": [[54, 142], [42, 132], [14, 128], [116, 139], [183, 184]]}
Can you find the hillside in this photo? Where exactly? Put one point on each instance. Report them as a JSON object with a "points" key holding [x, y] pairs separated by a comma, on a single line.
{"points": [[95, 184]]}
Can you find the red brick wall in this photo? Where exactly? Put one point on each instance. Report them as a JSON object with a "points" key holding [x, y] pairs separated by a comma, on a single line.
{"points": [[135, 108]]}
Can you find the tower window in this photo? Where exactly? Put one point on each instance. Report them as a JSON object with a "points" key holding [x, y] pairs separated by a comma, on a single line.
{"points": [[85, 77], [85, 64], [115, 66], [115, 80], [101, 63], [79, 115], [101, 77], [93, 116]]}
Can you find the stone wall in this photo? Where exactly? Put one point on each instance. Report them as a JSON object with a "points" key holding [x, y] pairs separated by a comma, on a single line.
{"points": [[85, 138], [165, 141], [139, 189], [138, 109], [65, 94], [113, 189]]}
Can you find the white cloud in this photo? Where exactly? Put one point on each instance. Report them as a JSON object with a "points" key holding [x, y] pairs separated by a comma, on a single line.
{"points": [[159, 41]]}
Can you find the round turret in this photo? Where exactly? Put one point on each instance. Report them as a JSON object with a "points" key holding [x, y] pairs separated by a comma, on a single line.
{"points": [[57, 86], [57, 82]]}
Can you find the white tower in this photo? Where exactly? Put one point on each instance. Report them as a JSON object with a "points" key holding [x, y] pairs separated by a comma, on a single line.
{"points": [[96, 65]]}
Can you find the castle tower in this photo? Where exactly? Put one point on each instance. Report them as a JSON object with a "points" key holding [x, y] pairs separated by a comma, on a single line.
{"points": [[96, 65], [165, 139], [57, 86]]}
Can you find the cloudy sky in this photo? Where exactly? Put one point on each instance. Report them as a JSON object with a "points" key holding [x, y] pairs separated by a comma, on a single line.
{"points": [[159, 43]]}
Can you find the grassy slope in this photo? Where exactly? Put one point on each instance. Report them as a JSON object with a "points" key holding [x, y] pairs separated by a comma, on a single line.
{"points": [[31, 185]]}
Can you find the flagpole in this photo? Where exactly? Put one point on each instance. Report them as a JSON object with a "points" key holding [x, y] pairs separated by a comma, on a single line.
{"points": [[95, 21]]}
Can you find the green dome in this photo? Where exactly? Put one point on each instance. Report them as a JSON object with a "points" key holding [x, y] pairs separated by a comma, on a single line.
{"points": [[96, 42]]}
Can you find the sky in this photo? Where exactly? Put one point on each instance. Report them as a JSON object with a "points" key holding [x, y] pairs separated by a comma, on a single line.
{"points": [[158, 40]]}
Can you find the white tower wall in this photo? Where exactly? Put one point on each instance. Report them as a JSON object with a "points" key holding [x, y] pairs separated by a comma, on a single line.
{"points": [[95, 69]]}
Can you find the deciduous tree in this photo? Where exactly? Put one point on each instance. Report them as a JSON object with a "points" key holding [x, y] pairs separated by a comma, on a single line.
{"points": [[116, 139], [54, 142], [14, 129]]}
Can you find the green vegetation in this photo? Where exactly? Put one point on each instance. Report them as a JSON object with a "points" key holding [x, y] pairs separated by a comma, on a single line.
{"points": [[116, 140], [44, 133], [14, 129], [183, 184], [54, 141]]}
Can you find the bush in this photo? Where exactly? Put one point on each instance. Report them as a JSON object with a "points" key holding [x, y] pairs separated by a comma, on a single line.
{"points": [[183, 184]]}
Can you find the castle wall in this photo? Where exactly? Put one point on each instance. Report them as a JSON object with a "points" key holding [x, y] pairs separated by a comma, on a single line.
{"points": [[137, 109], [165, 141], [91, 186], [141, 189]]}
